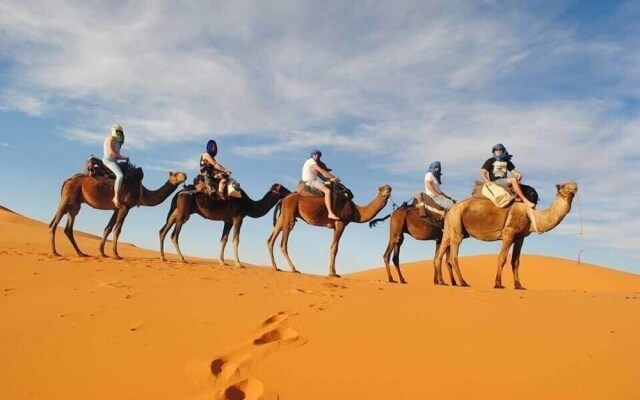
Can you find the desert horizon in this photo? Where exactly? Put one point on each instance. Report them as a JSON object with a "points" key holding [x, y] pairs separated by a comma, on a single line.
{"points": [[142, 328]]}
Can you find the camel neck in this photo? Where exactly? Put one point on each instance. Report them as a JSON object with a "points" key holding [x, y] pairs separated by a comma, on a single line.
{"points": [[368, 212], [548, 219], [257, 209], [152, 198]]}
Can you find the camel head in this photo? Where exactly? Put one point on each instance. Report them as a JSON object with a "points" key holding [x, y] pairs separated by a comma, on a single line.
{"points": [[176, 178], [567, 190], [280, 190], [384, 191]]}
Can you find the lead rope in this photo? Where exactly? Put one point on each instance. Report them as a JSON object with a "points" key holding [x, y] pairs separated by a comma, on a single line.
{"points": [[394, 206], [579, 233]]}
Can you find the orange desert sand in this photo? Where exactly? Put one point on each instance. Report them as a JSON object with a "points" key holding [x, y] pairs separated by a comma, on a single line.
{"points": [[140, 328]]}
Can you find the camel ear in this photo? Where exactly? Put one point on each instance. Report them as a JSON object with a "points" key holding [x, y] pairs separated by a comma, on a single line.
{"points": [[558, 187], [170, 173]]}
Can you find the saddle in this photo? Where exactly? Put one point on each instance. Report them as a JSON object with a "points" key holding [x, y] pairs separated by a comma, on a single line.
{"points": [[428, 208], [529, 192], [95, 168], [232, 186], [338, 191]]}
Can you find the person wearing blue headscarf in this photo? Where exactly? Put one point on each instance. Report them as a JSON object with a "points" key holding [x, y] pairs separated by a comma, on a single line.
{"points": [[213, 171], [496, 168], [432, 182]]}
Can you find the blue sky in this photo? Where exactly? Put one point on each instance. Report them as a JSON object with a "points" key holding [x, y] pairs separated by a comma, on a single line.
{"points": [[382, 88]]}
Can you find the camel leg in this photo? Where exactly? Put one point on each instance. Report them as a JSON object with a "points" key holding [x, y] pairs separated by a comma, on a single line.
{"points": [[502, 259], [333, 250], [284, 245], [272, 239], [396, 257], [435, 256], [68, 229], [107, 231], [437, 263], [237, 225], [454, 248], [387, 257], [515, 263], [223, 240], [171, 220], [175, 238], [122, 214], [53, 227]]}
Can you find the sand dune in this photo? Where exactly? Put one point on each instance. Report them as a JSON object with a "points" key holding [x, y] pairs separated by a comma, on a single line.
{"points": [[139, 328]]}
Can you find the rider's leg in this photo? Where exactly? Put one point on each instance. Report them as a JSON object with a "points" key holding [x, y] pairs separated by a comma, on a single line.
{"points": [[115, 168]]}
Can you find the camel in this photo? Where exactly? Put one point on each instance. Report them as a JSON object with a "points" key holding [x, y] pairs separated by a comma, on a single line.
{"points": [[98, 193], [232, 212], [312, 210], [406, 219], [477, 217]]}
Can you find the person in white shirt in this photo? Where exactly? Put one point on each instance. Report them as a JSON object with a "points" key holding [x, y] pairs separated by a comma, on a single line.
{"points": [[310, 170], [432, 182], [111, 149]]}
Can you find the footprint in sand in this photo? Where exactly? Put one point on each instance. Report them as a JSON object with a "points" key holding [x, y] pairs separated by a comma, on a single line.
{"points": [[248, 389], [281, 316], [232, 371], [311, 291], [278, 335]]}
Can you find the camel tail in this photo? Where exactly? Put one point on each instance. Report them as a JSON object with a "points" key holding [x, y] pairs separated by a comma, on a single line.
{"points": [[276, 211], [372, 224]]}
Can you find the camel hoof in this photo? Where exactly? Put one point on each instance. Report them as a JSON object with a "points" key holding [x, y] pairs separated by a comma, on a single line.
{"points": [[276, 269], [240, 265], [520, 288], [403, 282], [117, 257], [185, 261], [104, 255], [82, 255], [498, 286], [163, 259], [391, 280], [295, 271], [464, 284], [55, 254], [334, 276]]}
